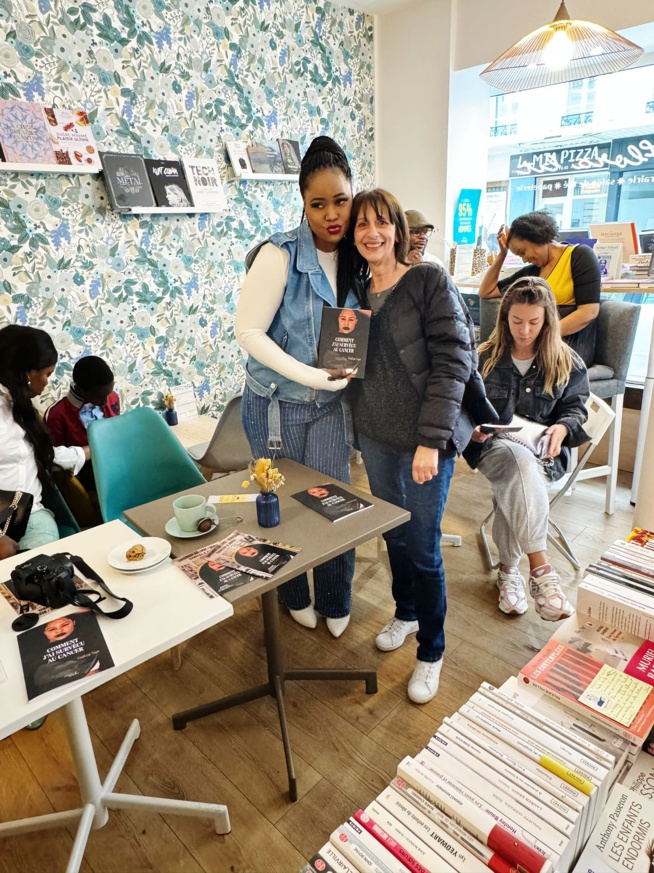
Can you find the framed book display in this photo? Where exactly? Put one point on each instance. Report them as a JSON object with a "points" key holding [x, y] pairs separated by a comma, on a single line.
{"points": [[24, 133], [127, 181], [238, 156], [204, 183], [265, 157], [290, 151], [168, 183], [72, 138]]}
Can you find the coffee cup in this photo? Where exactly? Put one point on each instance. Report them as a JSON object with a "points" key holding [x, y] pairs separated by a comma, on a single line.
{"points": [[190, 509]]}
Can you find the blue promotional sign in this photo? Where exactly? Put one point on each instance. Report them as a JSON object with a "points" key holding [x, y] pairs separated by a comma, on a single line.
{"points": [[465, 215]]}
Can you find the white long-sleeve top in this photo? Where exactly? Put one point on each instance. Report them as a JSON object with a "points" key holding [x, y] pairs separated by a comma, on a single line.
{"points": [[262, 293], [18, 470]]}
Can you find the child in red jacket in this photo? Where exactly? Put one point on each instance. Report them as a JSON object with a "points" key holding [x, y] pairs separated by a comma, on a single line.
{"points": [[91, 396]]}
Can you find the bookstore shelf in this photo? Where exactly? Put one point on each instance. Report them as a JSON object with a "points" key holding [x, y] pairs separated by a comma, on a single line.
{"points": [[267, 177], [71, 169], [166, 210]]}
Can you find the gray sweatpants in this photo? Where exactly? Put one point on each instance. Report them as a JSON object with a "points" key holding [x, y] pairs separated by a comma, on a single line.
{"points": [[520, 499]]}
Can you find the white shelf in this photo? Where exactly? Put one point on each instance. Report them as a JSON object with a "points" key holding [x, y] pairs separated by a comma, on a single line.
{"points": [[267, 177], [167, 210], [73, 169]]}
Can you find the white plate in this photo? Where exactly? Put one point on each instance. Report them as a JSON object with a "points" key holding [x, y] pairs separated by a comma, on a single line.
{"points": [[156, 550], [144, 569], [174, 530]]}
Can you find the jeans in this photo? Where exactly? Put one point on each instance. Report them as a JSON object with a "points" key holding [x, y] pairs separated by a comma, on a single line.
{"points": [[520, 499], [41, 529], [314, 436], [414, 548]]}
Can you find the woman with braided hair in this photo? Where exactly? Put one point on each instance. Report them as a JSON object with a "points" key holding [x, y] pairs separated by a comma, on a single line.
{"points": [[291, 408]]}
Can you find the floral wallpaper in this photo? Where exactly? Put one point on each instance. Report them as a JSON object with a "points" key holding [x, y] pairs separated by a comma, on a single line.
{"points": [[156, 295]]}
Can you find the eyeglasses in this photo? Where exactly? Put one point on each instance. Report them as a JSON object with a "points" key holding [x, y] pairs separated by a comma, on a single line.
{"points": [[421, 231]]}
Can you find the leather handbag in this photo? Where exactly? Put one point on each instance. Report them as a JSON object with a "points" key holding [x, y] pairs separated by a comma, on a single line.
{"points": [[15, 508]]}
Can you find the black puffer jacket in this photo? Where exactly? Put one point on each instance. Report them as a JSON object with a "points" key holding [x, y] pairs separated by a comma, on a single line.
{"points": [[434, 336]]}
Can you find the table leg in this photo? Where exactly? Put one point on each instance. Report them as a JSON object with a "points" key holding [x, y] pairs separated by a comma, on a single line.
{"points": [[277, 675], [99, 798]]}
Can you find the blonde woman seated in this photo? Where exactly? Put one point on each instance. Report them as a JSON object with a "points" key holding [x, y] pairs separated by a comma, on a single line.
{"points": [[528, 371]]}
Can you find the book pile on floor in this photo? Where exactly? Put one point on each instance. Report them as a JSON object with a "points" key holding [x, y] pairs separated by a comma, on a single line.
{"points": [[542, 775]]}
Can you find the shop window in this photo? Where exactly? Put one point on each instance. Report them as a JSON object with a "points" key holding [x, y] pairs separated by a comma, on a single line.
{"points": [[580, 103]]}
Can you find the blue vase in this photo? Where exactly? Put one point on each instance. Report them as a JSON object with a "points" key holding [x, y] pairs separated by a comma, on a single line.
{"points": [[268, 510], [171, 417]]}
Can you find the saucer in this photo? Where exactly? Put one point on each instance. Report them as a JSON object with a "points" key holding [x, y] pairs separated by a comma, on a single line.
{"points": [[173, 529], [156, 551]]}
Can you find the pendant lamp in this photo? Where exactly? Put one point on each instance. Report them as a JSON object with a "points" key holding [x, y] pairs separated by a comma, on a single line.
{"points": [[562, 51]]}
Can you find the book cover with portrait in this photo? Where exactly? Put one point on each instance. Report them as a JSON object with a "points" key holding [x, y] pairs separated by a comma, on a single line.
{"points": [[290, 151], [254, 555], [331, 501], [62, 650], [169, 183], [343, 342], [205, 568]]}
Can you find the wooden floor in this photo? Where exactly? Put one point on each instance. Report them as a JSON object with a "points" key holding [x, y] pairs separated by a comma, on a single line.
{"points": [[346, 744]]}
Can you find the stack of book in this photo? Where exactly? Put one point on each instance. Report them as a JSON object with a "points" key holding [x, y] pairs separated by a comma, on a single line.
{"points": [[511, 781], [545, 773]]}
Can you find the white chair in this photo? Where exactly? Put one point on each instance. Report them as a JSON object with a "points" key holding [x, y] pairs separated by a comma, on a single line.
{"points": [[600, 418]]}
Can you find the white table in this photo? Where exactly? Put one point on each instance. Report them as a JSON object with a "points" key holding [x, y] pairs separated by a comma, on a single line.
{"points": [[168, 609]]}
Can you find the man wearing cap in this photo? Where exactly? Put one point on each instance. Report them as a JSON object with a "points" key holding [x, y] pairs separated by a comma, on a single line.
{"points": [[420, 230]]}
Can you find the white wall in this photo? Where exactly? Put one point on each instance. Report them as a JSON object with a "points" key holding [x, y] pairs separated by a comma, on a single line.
{"points": [[413, 66], [432, 124]]}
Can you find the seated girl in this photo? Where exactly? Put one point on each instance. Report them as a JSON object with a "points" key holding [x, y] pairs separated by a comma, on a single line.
{"points": [[27, 360], [530, 372]]}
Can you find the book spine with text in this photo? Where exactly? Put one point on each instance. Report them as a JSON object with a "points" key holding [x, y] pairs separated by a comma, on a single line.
{"points": [[465, 808], [347, 840], [418, 801], [423, 854], [510, 814], [439, 840]]}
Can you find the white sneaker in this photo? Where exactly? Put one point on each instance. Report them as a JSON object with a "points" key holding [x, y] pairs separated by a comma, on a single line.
{"points": [[306, 617], [394, 633], [551, 602], [423, 684], [513, 595]]}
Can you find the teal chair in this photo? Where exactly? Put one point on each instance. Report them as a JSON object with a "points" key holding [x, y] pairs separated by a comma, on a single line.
{"points": [[53, 500], [136, 459]]}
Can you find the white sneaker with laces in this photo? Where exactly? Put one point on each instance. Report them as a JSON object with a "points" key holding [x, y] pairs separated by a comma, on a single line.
{"points": [[394, 633], [513, 595], [423, 684], [551, 602]]}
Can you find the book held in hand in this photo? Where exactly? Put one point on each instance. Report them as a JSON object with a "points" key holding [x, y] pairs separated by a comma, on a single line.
{"points": [[169, 183], [331, 501], [62, 650], [127, 181], [343, 342]]}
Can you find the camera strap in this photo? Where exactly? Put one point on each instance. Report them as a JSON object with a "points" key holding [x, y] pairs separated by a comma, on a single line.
{"points": [[80, 597]]}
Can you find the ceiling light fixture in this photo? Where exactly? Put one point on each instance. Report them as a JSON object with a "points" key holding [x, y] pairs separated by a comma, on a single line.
{"points": [[562, 51]]}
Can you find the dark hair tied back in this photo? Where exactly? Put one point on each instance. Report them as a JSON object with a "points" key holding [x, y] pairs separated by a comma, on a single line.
{"points": [[323, 154]]}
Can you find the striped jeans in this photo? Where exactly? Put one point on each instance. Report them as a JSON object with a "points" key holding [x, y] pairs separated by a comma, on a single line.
{"points": [[316, 437]]}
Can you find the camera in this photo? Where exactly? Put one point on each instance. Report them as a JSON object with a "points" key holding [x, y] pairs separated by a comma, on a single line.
{"points": [[46, 579]]}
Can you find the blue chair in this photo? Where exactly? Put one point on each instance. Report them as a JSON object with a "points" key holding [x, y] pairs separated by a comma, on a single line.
{"points": [[136, 459]]}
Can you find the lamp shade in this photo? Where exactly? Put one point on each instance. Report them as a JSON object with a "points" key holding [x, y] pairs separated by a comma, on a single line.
{"points": [[562, 51]]}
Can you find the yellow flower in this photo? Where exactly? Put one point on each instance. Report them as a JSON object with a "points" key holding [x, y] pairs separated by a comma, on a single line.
{"points": [[261, 466], [245, 484]]}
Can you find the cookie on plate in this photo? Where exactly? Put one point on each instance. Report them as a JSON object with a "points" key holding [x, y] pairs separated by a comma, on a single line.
{"points": [[136, 553]]}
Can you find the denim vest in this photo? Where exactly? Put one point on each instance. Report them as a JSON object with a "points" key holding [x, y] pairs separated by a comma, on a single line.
{"points": [[296, 325]]}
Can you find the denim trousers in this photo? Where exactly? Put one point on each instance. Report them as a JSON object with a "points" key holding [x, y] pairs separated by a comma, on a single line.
{"points": [[414, 548], [316, 437]]}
